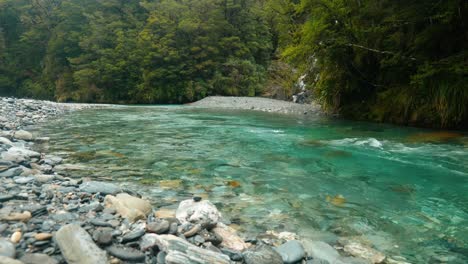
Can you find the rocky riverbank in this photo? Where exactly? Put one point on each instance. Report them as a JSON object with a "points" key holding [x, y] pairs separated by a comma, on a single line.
{"points": [[258, 104], [48, 218]]}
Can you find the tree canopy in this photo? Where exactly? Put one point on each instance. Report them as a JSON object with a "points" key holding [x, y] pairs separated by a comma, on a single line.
{"points": [[384, 60]]}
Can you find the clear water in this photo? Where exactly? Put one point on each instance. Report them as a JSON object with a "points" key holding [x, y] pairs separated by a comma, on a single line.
{"points": [[402, 190]]}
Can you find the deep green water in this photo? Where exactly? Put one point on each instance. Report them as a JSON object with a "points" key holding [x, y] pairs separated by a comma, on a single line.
{"points": [[404, 190]]}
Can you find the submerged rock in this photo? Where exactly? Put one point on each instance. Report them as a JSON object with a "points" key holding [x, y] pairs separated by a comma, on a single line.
{"points": [[203, 212], [321, 251], [179, 251], [362, 251], [77, 246], [291, 251]]}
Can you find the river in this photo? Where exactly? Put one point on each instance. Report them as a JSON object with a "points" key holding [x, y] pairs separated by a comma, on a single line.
{"points": [[401, 190]]}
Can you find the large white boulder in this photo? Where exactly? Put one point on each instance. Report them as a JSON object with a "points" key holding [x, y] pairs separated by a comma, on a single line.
{"points": [[202, 212]]}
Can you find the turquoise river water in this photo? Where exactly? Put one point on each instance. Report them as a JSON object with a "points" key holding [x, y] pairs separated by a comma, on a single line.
{"points": [[402, 190]]}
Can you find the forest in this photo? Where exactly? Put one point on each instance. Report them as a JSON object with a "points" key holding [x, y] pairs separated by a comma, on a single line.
{"points": [[403, 62]]}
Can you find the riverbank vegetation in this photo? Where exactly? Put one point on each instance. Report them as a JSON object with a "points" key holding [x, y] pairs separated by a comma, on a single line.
{"points": [[390, 61]]}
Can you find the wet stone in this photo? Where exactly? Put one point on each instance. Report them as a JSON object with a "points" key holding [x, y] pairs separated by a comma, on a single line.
{"points": [[158, 227], [41, 243], [233, 254], [24, 180], [125, 253], [199, 239], [114, 223], [103, 236], [64, 217], [78, 247], [111, 211], [133, 235], [7, 260], [291, 251], [100, 187], [98, 222], [38, 259], [6, 198], [48, 225], [49, 251], [161, 257], [3, 227], [7, 249], [173, 228], [106, 216], [262, 254]]}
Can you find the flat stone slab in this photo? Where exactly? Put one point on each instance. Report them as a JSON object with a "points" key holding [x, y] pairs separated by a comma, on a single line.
{"points": [[179, 251], [78, 247]]}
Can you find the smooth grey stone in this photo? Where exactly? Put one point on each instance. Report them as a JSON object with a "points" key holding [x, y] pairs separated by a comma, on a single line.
{"points": [[7, 260], [106, 217], [37, 258], [24, 180], [78, 247], [133, 235], [89, 207], [100, 187], [262, 254], [98, 222], [173, 228], [158, 227], [321, 251], [6, 198], [161, 258], [148, 241], [65, 217], [199, 239], [114, 222], [7, 249], [125, 253], [109, 211], [73, 207], [64, 189], [103, 236], [3, 227], [291, 251], [49, 251], [12, 172], [233, 255], [41, 243], [48, 225]]}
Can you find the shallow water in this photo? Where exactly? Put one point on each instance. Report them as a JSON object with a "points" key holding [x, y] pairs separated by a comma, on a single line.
{"points": [[402, 190]]}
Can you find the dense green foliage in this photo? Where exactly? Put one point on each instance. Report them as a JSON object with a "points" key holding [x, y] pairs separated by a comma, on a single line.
{"points": [[398, 61], [132, 51]]}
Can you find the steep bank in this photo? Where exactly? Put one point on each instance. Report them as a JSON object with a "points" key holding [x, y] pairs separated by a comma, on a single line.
{"points": [[258, 104]]}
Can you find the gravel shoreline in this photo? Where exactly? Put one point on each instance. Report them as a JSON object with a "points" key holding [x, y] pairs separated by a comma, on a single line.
{"points": [[258, 104], [49, 218]]}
